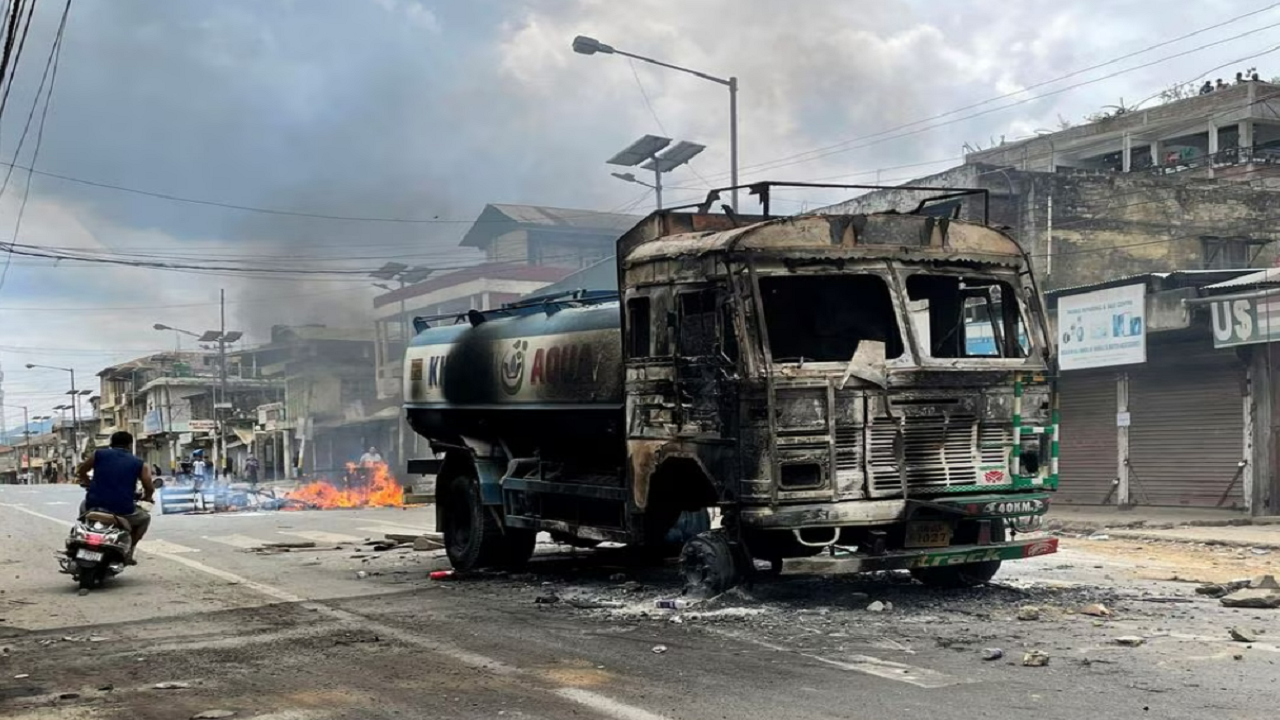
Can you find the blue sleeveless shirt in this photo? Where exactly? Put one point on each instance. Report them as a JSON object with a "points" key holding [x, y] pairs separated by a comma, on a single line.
{"points": [[115, 477]]}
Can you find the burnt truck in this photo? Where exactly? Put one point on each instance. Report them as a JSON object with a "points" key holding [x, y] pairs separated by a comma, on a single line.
{"points": [[848, 392]]}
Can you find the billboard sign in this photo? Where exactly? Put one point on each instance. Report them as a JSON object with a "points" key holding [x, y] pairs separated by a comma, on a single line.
{"points": [[1102, 328], [1245, 321]]}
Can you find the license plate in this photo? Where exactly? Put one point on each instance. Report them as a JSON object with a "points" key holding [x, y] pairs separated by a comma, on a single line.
{"points": [[89, 555], [928, 534]]}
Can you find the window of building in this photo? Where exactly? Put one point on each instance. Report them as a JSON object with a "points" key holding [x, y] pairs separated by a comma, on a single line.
{"points": [[1229, 253]]}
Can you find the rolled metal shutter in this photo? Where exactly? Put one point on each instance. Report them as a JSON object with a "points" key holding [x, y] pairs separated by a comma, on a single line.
{"points": [[1087, 449], [1186, 440]]}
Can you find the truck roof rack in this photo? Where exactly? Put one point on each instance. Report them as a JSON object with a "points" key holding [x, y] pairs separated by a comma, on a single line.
{"points": [[549, 303], [927, 206]]}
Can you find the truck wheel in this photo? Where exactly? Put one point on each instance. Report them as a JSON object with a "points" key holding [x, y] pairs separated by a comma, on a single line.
{"points": [[708, 564], [956, 577], [472, 537]]}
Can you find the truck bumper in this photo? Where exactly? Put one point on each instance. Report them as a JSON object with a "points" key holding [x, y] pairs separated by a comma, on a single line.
{"points": [[908, 559], [855, 513]]}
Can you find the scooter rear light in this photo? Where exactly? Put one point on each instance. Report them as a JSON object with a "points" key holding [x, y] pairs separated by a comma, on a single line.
{"points": [[94, 538]]}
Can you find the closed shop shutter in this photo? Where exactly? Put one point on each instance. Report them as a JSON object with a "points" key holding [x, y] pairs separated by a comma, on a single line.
{"points": [[1187, 436], [1087, 449]]}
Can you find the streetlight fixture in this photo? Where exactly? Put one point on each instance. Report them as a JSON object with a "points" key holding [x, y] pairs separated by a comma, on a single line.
{"points": [[75, 420], [403, 275], [584, 45], [647, 149]]}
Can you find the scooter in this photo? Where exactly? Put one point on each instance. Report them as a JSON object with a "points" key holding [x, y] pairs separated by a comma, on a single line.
{"points": [[98, 546]]}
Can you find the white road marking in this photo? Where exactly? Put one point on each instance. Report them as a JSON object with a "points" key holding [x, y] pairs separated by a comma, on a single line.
{"points": [[239, 541], [57, 502], [323, 537], [604, 705], [866, 664], [593, 701], [159, 545]]}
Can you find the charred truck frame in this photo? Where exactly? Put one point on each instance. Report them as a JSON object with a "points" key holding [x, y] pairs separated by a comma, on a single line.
{"points": [[856, 391]]}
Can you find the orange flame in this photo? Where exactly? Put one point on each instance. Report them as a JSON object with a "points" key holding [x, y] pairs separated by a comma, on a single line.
{"points": [[379, 490]]}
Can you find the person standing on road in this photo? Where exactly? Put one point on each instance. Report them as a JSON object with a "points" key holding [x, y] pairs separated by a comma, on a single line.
{"points": [[198, 468], [116, 474], [251, 469]]}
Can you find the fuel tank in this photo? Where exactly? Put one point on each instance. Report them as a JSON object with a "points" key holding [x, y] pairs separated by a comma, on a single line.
{"points": [[527, 377]]}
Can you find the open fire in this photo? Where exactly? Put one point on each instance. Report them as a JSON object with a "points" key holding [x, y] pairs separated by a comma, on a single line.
{"points": [[373, 486]]}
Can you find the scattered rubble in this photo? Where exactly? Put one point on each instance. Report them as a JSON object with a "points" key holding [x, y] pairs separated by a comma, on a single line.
{"points": [[1035, 658], [171, 686], [213, 715], [1130, 640], [992, 653], [659, 649], [1096, 610], [546, 599], [1263, 592], [1029, 612], [1243, 635], [1098, 536], [878, 606]]}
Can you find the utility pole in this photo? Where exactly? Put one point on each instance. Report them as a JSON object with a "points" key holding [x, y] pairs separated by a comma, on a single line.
{"points": [[26, 433], [222, 377]]}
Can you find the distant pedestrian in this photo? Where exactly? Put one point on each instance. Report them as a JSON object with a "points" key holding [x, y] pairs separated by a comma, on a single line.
{"points": [[371, 457], [1239, 78], [1206, 88], [198, 470], [251, 469], [1220, 85]]}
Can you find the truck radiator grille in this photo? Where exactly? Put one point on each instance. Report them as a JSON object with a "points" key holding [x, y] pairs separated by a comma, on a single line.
{"points": [[938, 452]]}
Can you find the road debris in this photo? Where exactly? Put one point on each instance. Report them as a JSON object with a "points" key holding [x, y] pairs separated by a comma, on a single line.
{"points": [[1029, 612], [676, 604], [213, 715], [1130, 640], [361, 574], [171, 686], [1098, 536], [879, 606], [546, 600], [1096, 610], [22, 676], [1260, 551], [68, 696], [1263, 592], [659, 649], [423, 543], [1035, 658], [1243, 635], [992, 653]]}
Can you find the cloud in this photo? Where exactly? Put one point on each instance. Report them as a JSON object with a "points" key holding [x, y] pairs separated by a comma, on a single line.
{"points": [[408, 109]]}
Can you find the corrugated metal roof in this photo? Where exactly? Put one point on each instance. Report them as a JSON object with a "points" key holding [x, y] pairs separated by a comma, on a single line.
{"points": [[1146, 278], [496, 220], [1265, 277]]}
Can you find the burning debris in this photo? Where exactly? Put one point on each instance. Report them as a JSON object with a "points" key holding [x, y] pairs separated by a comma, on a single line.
{"points": [[367, 486]]}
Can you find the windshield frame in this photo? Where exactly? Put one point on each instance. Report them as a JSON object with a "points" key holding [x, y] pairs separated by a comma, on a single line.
{"points": [[895, 274]]}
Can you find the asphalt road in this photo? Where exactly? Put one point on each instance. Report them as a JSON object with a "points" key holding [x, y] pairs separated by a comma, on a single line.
{"points": [[350, 633]]}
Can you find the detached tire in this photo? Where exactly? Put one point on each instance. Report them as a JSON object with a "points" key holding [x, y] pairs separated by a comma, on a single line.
{"points": [[472, 536], [708, 565], [957, 577]]}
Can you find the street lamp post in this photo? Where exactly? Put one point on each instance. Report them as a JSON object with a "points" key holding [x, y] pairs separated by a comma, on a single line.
{"points": [[75, 420], [590, 46], [222, 337]]}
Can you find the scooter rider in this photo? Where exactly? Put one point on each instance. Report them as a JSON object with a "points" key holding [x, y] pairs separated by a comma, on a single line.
{"points": [[116, 473]]}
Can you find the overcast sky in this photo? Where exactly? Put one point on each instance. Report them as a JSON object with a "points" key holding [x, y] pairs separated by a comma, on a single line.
{"points": [[430, 109]]}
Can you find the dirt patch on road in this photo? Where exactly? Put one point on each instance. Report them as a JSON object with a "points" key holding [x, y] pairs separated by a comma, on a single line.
{"points": [[1180, 561]]}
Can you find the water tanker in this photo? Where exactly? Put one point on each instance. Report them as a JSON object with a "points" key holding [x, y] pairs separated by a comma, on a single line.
{"points": [[879, 385]]}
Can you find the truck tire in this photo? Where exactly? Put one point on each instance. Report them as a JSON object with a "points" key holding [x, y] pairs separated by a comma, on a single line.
{"points": [[957, 577], [709, 564], [473, 536]]}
